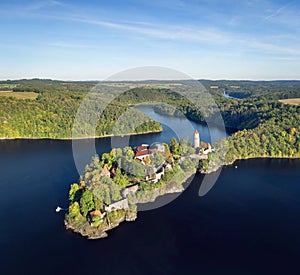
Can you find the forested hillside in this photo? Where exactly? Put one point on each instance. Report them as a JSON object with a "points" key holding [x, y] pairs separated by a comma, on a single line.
{"points": [[263, 125], [52, 114], [279, 89]]}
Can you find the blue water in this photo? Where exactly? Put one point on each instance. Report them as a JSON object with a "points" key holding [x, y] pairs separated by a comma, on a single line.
{"points": [[182, 127]]}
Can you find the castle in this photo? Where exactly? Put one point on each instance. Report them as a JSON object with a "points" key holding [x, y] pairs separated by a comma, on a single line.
{"points": [[196, 139]]}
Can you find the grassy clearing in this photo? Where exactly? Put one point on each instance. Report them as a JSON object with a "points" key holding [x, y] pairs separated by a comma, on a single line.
{"points": [[19, 95], [7, 86], [291, 101]]}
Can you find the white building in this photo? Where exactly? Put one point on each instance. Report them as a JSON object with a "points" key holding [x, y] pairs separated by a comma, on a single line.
{"points": [[196, 139], [122, 204]]}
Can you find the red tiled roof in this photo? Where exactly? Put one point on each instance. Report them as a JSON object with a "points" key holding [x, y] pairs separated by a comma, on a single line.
{"points": [[105, 171], [141, 154], [142, 148], [95, 213]]}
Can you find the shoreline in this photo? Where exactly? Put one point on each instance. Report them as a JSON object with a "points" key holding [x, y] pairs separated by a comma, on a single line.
{"points": [[216, 168], [94, 233], [229, 130], [260, 157], [82, 138]]}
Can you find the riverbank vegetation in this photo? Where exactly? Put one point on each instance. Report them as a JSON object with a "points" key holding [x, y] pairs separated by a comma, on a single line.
{"points": [[262, 125], [52, 115]]}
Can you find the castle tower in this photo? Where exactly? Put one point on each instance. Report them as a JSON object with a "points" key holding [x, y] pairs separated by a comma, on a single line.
{"points": [[196, 139]]}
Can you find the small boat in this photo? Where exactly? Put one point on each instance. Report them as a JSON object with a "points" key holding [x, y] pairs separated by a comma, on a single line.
{"points": [[235, 167], [58, 209]]}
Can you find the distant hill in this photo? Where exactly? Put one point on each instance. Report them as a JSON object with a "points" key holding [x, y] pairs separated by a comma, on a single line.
{"points": [[275, 89]]}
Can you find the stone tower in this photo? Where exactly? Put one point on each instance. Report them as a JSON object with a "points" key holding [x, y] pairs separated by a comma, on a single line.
{"points": [[196, 139]]}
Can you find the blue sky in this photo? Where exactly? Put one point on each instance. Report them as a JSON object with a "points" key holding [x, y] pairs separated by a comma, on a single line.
{"points": [[81, 40]]}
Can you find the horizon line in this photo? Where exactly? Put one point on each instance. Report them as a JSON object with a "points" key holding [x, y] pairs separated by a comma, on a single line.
{"points": [[107, 80]]}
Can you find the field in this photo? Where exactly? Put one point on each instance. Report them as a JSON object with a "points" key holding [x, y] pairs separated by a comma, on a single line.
{"points": [[8, 86], [19, 95], [291, 101]]}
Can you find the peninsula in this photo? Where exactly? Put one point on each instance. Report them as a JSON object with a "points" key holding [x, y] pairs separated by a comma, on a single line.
{"points": [[112, 185]]}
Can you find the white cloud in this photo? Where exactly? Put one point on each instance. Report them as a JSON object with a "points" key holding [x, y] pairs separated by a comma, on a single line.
{"points": [[205, 35], [279, 10], [157, 31], [273, 48]]}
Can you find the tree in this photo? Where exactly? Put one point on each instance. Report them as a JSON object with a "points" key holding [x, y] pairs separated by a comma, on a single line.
{"points": [[133, 168], [86, 202], [107, 160], [158, 158], [96, 221], [293, 131], [116, 153], [102, 192], [120, 179], [128, 152], [203, 164], [188, 165], [137, 169], [187, 147], [98, 203], [74, 211], [147, 160], [115, 192], [167, 150], [175, 148], [74, 193], [174, 145]]}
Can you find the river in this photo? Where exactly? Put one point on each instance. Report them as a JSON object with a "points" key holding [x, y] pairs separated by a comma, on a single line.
{"points": [[247, 224]]}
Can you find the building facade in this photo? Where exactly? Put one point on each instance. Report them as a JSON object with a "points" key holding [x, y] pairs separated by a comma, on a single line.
{"points": [[196, 139]]}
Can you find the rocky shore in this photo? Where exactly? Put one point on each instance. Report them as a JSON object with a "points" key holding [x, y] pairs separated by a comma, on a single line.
{"points": [[90, 232]]}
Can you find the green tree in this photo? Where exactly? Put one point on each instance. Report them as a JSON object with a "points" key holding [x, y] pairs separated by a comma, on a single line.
{"points": [[96, 221], [175, 148], [121, 179], [98, 203], [74, 211], [158, 158], [102, 192], [203, 164], [188, 165], [86, 202], [128, 152], [116, 153], [74, 193], [107, 160]]}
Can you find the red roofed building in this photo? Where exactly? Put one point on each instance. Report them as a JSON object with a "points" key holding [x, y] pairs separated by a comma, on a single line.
{"points": [[105, 172], [141, 152], [95, 213], [142, 148]]}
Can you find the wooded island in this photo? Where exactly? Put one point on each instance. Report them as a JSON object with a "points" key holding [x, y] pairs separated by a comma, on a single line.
{"points": [[112, 185]]}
